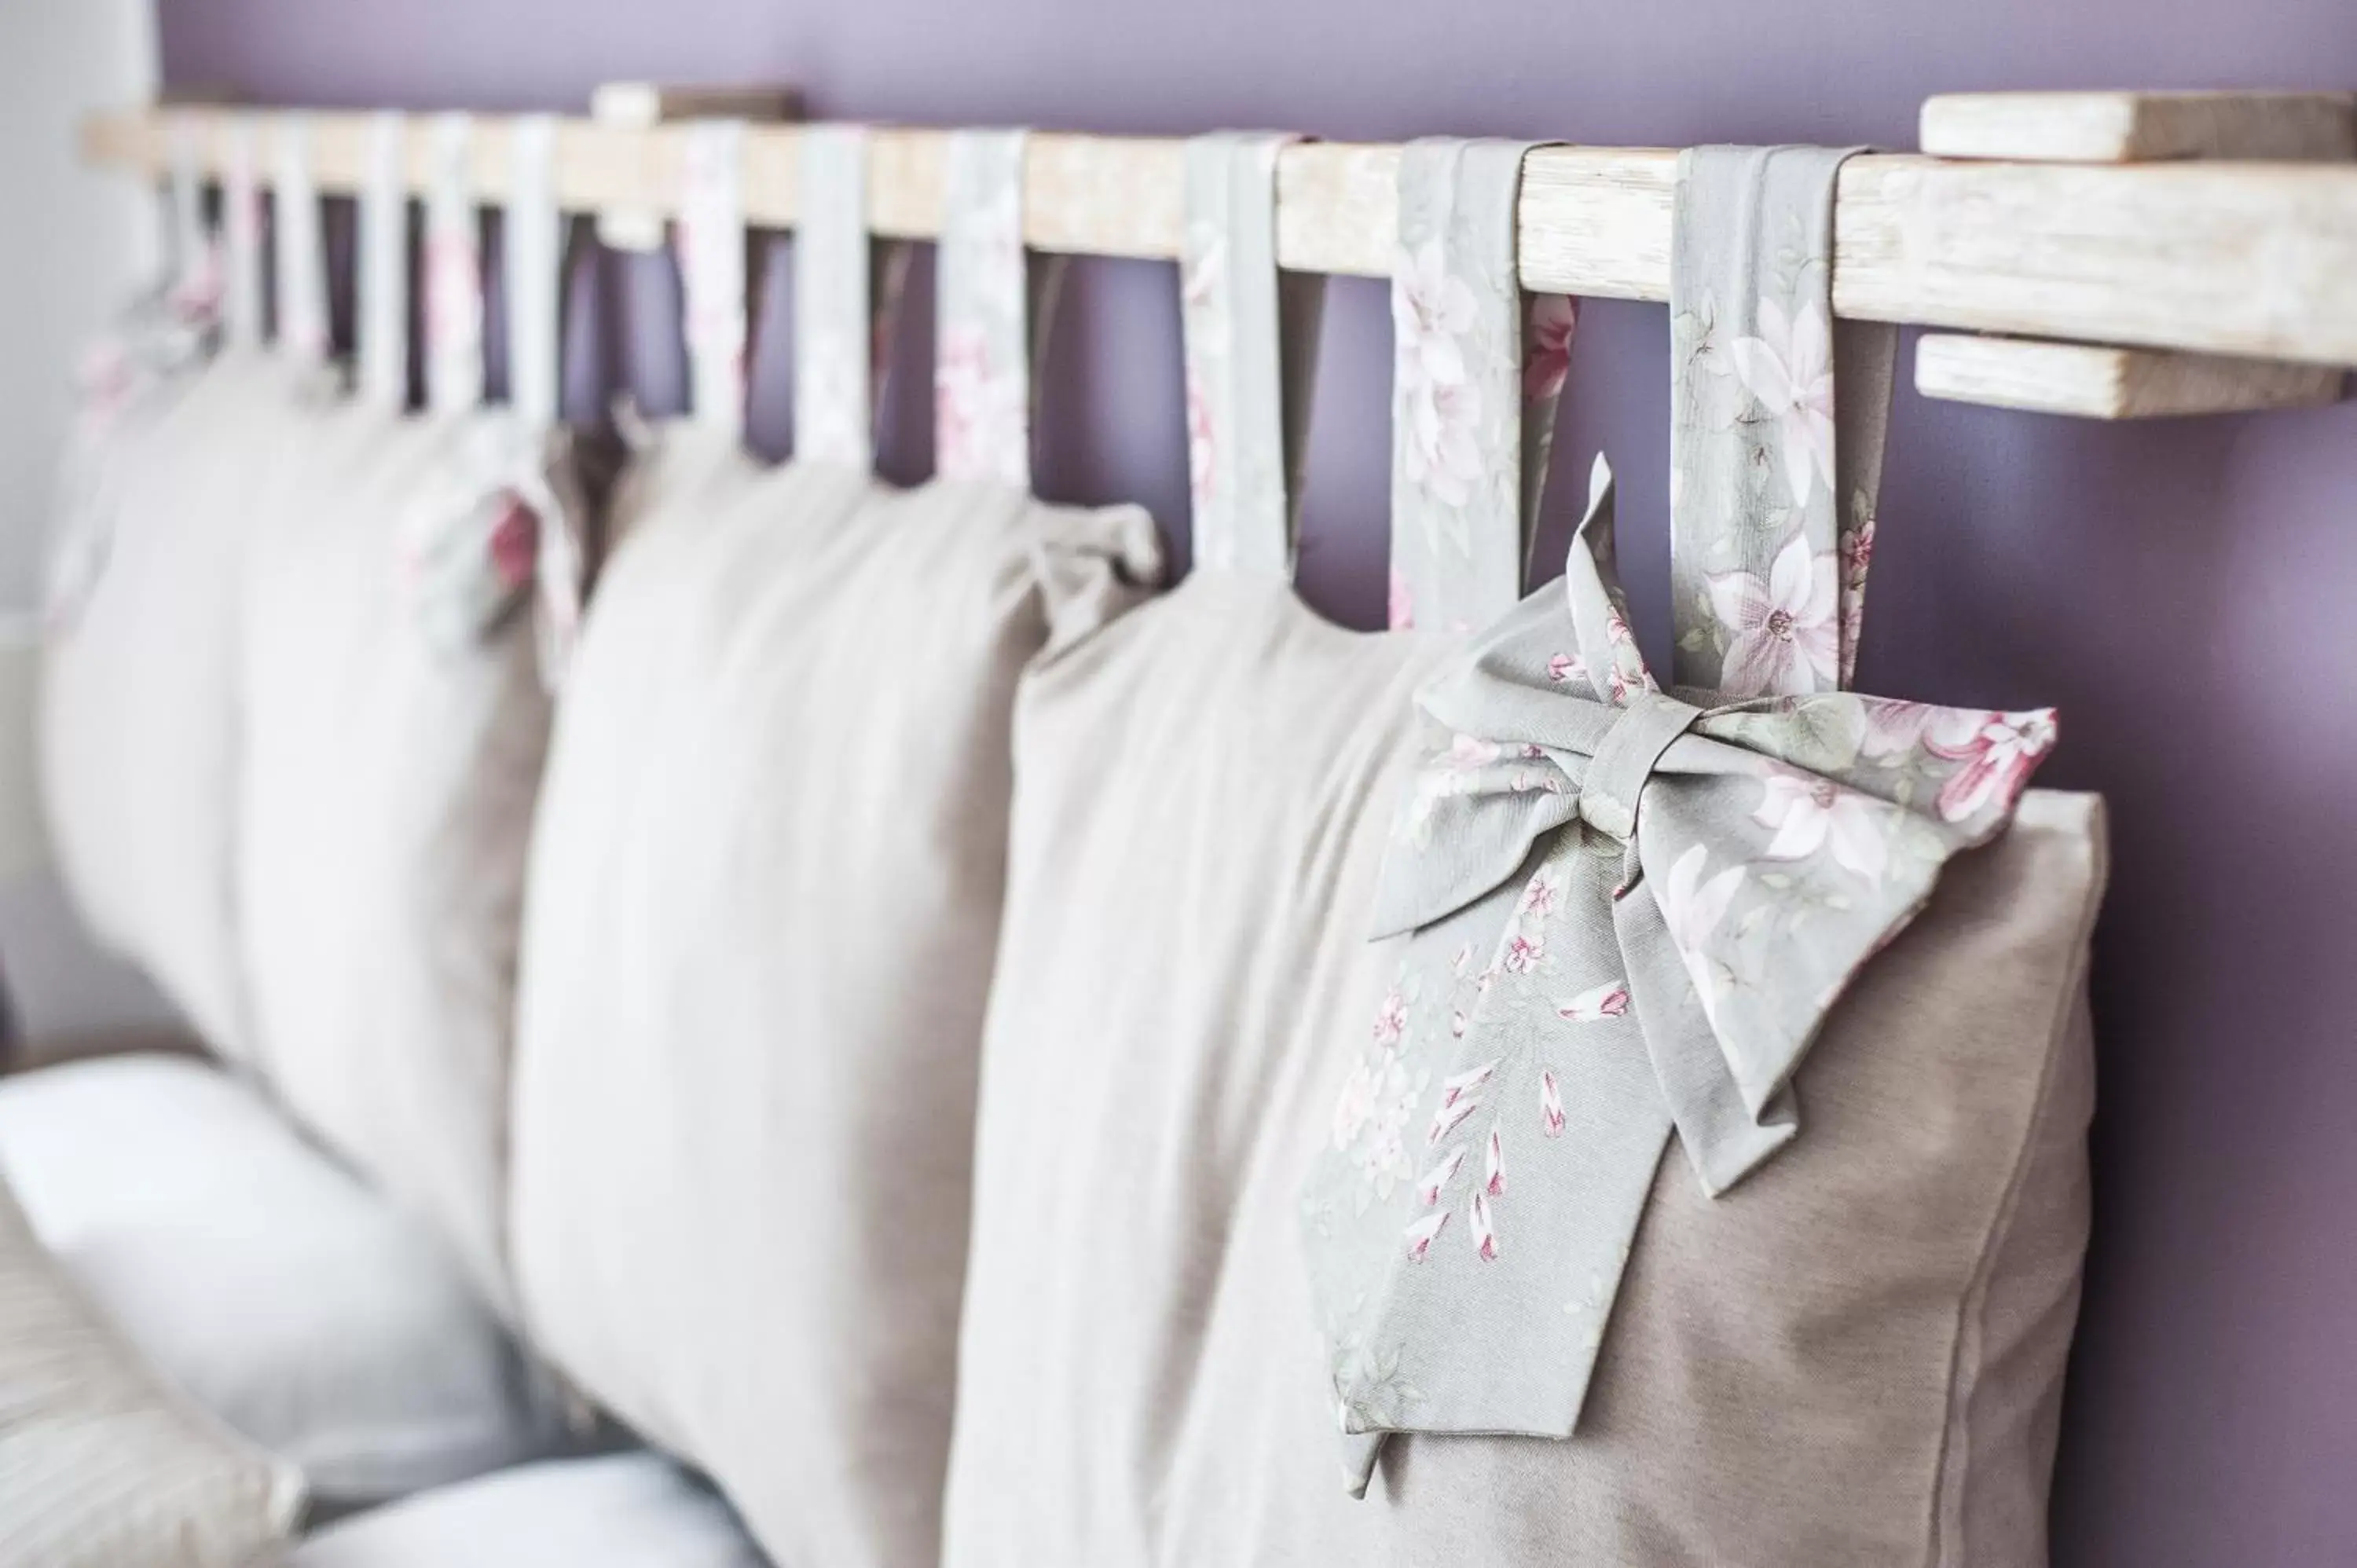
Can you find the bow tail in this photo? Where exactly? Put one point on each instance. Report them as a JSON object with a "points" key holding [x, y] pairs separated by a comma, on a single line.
{"points": [[1723, 1140]]}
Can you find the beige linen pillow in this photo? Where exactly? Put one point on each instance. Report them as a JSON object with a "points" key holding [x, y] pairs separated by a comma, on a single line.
{"points": [[1851, 1356], [764, 900], [101, 1464]]}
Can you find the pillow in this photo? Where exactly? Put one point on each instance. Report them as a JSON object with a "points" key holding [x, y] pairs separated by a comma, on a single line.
{"points": [[107, 1466], [764, 899], [280, 1294], [395, 722], [621, 1510], [138, 712], [1854, 1354]]}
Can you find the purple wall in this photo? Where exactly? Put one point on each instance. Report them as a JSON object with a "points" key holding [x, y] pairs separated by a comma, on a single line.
{"points": [[2183, 590]]}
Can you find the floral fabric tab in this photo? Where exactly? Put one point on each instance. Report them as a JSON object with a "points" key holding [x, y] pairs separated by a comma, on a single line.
{"points": [[1472, 408], [241, 309], [302, 276], [384, 287], [712, 271], [1773, 480], [1627, 913], [992, 313], [1251, 343], [845, 292], [454, 277]]}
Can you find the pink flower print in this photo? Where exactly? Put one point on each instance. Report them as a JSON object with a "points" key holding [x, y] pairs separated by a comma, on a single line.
{"points": [[1522, 954], [1493, 1178], [1564, 667], [1462, 962], [1485, 1234], [1420, 1235], [516, 544], [1784, 639], [978, 412], [1427, 1191], [1453, 1090], [1466, 752], [1401, 609], [1610, 1000], [1894, 728], [1811, 814], [1391, 1018], [1790, 368], [1546, 353], [1544, 892], [1202, 463], [1999, 751], [1550, 1105]]}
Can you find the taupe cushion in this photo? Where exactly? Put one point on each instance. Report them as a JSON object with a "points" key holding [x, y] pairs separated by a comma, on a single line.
{"points": [[282, 1294], [1855, 1356], [624, 1510], [103, 1465], [763, 905]]}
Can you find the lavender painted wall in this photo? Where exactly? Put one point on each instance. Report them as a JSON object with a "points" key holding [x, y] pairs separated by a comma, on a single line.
{"points": [[2182, 590]]}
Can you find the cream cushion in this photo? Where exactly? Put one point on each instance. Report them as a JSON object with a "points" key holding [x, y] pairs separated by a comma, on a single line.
{"points": [[389, 773], [763, 906], [1856, 1357], [138, 725], [622, 1510], [103, 1465], [282, 1294]]}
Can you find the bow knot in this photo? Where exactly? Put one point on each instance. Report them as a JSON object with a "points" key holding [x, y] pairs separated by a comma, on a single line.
{"points": [[1628, 914]]}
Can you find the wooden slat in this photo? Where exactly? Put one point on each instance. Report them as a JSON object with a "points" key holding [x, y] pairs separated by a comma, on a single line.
{"points": [[2095, 381], [2140, 127], [655, 102], [2242, 259]]}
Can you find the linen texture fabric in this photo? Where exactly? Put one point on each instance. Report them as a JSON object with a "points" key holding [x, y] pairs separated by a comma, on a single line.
{"points": [[764, 905], [103, 1465]]}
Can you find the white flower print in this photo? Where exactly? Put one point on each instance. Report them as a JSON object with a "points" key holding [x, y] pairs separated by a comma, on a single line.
{"points": [[1428, 1189], [1440, 406], [1353, 1107], [1999, 751], [1567, 667], [1485, 1234], [1784, 633], [1544, 894], [1894, 728], [1493, 1169], [1522, 954], [1610, 1000], [1391, 1018], [1811, 814], [1692, 910], [1790, 368]]}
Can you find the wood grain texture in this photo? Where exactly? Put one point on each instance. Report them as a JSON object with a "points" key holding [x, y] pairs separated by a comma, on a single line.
{"points": [[2255, 260], [2140, 127], [2095, 381]]}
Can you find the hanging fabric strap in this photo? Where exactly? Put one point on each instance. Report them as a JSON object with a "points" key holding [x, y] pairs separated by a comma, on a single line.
{"points": [[195, 266], [712, 271], [846, 293], [454, 277], [385, 263], [241, 232], [1251, 351], [993, 312], [534, 256], [301, 265], [1773, 477], [1472, 407]]}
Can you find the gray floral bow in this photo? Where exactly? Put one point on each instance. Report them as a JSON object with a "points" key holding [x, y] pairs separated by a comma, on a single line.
{"points": [[1629, 914]]}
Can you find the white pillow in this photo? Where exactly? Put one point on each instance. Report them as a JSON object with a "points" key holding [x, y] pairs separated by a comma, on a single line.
{"points": [[287, 1298]]}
